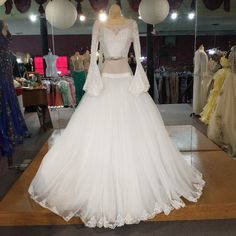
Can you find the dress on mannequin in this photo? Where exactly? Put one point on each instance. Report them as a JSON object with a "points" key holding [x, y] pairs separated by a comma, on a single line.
{"points": [[219, 79], [86, 59], [222, 124], [207, 86], [115, 163], [51, 59], [12, 125], [200, 72], [78, 73], [77, 62]]}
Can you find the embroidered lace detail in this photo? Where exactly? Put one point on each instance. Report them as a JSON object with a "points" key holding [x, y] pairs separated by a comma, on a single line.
{"points": [[127, 219], [94, 83]]}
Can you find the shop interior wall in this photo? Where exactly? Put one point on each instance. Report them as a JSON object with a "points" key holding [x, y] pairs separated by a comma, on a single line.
{"points": [[182, 51]]}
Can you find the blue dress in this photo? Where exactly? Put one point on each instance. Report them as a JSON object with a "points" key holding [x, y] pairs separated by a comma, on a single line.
{"points": [[12, 125]]}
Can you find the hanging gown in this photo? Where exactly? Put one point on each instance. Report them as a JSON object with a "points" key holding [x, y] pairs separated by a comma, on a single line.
{"points": [[12, 125], [200, 73], [219, 79], [222, 124], [115, 163]]}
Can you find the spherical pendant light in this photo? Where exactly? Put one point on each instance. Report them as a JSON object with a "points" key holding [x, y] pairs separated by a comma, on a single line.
{"points": [[61, 14], [153, 11]]}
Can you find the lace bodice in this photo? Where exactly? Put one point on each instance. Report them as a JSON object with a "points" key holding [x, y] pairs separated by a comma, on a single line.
{"points": [[115, 42]]}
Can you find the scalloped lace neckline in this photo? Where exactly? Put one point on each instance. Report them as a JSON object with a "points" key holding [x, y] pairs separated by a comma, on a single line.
{"points": [[117, 28]]}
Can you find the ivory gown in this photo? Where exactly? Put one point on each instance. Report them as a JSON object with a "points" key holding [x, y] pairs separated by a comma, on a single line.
{"points": [[219, 78], [200, 74], [115, 164], [222, 124]]}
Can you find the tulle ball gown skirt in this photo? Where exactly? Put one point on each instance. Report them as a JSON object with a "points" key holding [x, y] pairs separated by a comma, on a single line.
{"points": [[114, 164]]}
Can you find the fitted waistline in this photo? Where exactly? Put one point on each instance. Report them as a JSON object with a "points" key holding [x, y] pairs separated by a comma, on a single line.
{"points": [[116, 75], [115, 58]]}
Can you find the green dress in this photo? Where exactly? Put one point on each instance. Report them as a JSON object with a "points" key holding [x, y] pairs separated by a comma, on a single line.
{"points": [[79, 80]]}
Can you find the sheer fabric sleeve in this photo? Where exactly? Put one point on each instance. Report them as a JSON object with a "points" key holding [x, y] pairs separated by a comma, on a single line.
{"points": [[139, 83], [93, 84]]}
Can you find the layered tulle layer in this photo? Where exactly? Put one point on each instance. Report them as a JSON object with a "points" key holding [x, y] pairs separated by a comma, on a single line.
{"points": [[115, 163]]}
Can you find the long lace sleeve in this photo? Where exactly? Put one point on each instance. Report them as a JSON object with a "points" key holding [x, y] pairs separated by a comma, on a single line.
{"points": [[139, 82], [94, 84]]}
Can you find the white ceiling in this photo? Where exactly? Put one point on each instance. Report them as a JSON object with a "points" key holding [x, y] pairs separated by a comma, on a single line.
{"points": [[209, 22]]}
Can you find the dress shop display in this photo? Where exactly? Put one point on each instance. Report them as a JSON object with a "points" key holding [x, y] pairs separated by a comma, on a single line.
{"points": [[115, 164], [12, 125], [219, 78], [86, 58], [78, 66], [213, 66], [51, 69], [222, 124], [200, 74], [60, 91]]}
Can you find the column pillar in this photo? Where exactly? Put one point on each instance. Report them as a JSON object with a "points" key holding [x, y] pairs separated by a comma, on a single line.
{"points": [[150, 61]]}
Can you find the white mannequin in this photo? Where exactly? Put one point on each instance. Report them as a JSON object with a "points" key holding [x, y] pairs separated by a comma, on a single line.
{"points": [[50, 59], [200, 72], [115, 16]]}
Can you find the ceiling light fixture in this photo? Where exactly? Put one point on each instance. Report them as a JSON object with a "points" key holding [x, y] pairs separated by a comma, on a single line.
{"points": [[140, 18], [102, 16], [174, 15], [33, 17], [191, 15], [212, 51], [82, 17]]}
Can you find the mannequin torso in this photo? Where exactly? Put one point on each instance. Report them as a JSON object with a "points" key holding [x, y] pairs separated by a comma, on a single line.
{"points": [[77, 62], [116, 21], [51, 59], [86, 58]]}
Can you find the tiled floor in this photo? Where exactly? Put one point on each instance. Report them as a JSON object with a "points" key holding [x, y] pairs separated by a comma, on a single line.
{"points": [[196, 148], [188, 138]]}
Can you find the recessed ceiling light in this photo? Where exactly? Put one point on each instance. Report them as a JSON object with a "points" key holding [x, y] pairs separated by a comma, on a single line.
{"points": [[191, 15], [140, 18], [174, 15], [33, 18]]}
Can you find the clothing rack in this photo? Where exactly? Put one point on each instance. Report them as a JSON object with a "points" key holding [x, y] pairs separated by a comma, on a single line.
{"points": [[60, 91], [172, 86]]}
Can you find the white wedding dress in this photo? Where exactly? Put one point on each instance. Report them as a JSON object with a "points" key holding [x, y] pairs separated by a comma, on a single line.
{"points": [[115, 164]]}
